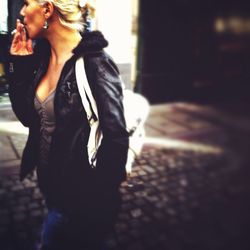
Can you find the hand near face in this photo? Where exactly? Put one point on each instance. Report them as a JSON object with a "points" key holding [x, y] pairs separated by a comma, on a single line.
{"points": [[20, 44]]}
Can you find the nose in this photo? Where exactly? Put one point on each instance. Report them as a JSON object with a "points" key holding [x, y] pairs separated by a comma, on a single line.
{"points": [[22, 11]]}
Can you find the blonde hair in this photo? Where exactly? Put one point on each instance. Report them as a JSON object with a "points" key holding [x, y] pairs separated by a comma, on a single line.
{"points": [[69, 12]]}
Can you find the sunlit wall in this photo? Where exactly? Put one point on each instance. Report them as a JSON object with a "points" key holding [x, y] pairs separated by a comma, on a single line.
{"points": [[114, 19], [4, 16]]}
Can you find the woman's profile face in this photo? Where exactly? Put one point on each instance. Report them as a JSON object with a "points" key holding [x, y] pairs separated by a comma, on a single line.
{"points": [[33, 18]]}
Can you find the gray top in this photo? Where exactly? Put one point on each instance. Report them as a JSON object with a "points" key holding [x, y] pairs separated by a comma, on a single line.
{"points": [[45, 110]]}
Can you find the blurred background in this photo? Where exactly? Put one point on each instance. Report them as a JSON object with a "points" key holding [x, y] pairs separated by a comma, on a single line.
{"points": [[168, 50], [189, 189]]}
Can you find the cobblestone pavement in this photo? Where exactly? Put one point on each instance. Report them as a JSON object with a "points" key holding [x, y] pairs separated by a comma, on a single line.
{"points": [[189, 189]]}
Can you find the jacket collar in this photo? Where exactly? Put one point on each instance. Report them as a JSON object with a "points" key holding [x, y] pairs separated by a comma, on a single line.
{"points": [[91, 42]]}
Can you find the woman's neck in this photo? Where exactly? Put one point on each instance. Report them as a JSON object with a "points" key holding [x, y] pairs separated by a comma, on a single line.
{"points": [[62, 41]]}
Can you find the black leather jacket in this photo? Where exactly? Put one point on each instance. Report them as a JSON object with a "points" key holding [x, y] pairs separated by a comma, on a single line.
{"points": [[69, 173]]}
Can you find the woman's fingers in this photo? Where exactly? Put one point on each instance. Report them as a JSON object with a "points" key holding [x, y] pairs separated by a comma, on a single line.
{"points": [[23, 36], [21, 30], [15, 43], [20, 44], [29, 46], [17, 36], [19, 25]]}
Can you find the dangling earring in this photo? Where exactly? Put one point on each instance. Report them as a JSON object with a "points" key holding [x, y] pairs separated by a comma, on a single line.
{"points": [[46, 25]]}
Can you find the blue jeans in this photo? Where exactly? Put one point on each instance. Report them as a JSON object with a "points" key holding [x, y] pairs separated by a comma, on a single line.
{"points": [[62, 233]]}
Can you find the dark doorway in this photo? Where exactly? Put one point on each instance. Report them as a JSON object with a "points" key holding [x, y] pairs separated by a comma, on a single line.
{"points": [[194, 50]]}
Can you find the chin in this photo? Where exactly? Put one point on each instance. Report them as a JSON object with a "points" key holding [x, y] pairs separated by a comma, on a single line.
{"points": [[33, 35]]}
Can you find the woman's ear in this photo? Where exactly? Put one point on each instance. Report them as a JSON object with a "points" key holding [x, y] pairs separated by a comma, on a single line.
{"points": [[48, 9]]}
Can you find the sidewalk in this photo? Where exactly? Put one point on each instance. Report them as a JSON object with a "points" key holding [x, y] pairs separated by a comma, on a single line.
{"points": [[189, 189]]}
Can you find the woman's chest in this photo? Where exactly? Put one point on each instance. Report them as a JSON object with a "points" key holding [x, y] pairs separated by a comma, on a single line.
{"points": [[48, 83]]}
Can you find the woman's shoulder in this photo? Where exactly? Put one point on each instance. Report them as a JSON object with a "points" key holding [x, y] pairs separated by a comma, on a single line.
{"points": [[91, 48], [92, 43]]}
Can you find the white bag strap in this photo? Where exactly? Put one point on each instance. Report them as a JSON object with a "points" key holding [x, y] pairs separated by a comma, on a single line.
{"points": [[90, 107], [82, 79]]}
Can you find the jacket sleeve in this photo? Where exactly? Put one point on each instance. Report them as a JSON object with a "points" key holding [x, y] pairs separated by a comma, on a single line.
{"points": [[112, 153], [21, 75]]}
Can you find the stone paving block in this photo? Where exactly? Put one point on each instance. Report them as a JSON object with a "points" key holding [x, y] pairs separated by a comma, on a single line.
{"points": [[22, 235], [127, 206], [161, 168], [142, 172], [28, 183], [18, 209], [201, 125], [24, 192], [183, 182], [165, 126], [127, 197], [19, 143], [140, 193], [135, 223], [45, 210], [160, 204], [35, 222], [3, 212], [12, 202], [19, 227], [145, 219], [33, 205], [136, 212], [140, 202], [43, 202], [122, 239], [148, 169], [5, 221], [158, 215], [37, 196], [2, 192], [6, 183], [17, 187], [152, 199], [9, 167], [36, 213], [111, 243], [6, 150], [152, 131], [161, 188], [141, 161], [24, 200], [20, 216], [3, 231], [123, 216], [15, 178], [121, 227], [150, 244], [134, 174], [182, 118], [137, 246]]}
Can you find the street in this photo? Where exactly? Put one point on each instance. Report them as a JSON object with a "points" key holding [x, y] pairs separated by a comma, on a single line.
{"points": [[189, 189]]}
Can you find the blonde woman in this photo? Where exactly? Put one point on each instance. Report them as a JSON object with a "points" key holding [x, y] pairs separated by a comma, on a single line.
{"points": [[82, 202]]}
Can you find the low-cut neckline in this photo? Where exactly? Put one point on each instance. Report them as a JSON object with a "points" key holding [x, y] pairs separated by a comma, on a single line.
{"points": [[46, 98]]}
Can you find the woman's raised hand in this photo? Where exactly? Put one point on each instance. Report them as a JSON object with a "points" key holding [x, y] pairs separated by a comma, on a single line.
{"points": [[20, 44]]}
